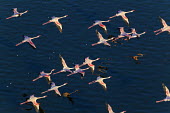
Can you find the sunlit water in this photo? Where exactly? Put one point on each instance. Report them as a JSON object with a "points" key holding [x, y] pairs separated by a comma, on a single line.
{"points": [[133, 87]]}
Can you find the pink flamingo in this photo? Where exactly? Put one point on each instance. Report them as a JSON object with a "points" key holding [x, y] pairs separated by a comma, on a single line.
{"points": [[55, 88], [167, 94], [88, 61], [165, 27], [33, 99], [55, 20], [46, 75], [109, 108], [123, 33], [99, 22], [134, 34], [16, 13], [100, 81], [122, 14], [28, 39], [65, 67], [102, 40], [78, 70]]}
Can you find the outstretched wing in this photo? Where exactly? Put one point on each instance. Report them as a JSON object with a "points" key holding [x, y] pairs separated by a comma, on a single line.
{"points": [[63, 61], [99, 35], [31, 43], [15, 11], [109, 108], [166, 89], [163, 22]]}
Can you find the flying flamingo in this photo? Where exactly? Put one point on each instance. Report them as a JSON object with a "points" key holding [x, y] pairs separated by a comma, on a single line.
{"points": [[122, 14], [165, 27], [55, 88], [134, 34], [102, 40], [100, 81], [167, 94], [88, 61], [65, 67], [55, 20], [33, 99], [16, 13], [28, 39], [78, 70], [46, 75], [123, 33], [109, 108], [99, 22]]}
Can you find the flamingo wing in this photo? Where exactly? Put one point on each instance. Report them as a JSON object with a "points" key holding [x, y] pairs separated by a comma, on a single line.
{"points": [[163, 22], [125, 19], [166, 89], [15, 11], [31, 43], [109, 108], [57, 92], [99, 35], [57, 23], [63, 61]]}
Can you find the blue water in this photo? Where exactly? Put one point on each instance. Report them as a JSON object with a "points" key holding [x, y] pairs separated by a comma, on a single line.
{"points": [[133, 87]]}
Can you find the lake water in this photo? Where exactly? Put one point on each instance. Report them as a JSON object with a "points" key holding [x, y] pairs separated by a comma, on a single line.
{"points": [[134, 87]]}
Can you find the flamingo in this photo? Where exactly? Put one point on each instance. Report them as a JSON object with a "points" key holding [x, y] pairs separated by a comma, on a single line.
{"points": [[88, 61], [78, 70], [33, 99], [99, 22], [109, 108], [167, 94], [122, 14], [46, 75], [16, 13], [134, 34], [55, 88], [165, 27], [55, 20], [100, 81], [102, 40], [123, 33], [65, 67], [28, 39]]}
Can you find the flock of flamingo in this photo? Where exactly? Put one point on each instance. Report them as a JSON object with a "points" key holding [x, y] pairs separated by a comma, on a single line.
{"points": [[123, 35]]}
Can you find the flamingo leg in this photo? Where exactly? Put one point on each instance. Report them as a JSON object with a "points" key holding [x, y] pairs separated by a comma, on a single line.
{"points": [[46, 23], [37, 78], [159, 101], [159, 32], [19, 43]]}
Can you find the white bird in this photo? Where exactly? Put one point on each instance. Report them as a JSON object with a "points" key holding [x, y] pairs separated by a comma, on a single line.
{"points": [[89, 62], [134, 34], [100, 81], [99, 22], [122, 14], [55, 20], [65, 67], [55, 88], [102, 40], [33, 99], [165, 27], [78, 70], [167, 94], [46, 75], [29, 40], [16, 13]]}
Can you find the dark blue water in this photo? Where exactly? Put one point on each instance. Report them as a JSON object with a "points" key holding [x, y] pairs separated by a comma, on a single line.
{"points": [[133, 87]]}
